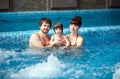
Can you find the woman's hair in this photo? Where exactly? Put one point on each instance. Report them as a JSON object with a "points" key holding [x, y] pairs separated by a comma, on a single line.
{"points": [[45, 19], [76, 20], [58, 25]]}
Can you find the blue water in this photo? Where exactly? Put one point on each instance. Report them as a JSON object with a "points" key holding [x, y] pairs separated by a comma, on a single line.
{"points": [[14, 21], [98, 58]]}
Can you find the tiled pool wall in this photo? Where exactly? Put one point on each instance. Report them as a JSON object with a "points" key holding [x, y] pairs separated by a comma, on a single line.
{"points": [[29, 20]]}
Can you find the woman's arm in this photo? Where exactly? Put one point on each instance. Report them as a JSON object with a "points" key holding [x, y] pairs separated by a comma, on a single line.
{"points": [[80, 41], [67, 41]]}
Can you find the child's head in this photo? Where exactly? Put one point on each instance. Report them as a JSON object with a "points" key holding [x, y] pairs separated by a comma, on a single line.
{"points": [[58, 26]]}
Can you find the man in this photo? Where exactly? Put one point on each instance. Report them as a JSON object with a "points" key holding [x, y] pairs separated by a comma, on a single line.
{"points": [[41, 39]]}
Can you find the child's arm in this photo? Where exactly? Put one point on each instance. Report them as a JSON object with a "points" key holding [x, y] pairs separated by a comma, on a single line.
{"points": [[67, 42], [53, 42]]}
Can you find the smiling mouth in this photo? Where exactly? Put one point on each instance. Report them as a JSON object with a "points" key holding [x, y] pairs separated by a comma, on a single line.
{"points": [[46, 29]]}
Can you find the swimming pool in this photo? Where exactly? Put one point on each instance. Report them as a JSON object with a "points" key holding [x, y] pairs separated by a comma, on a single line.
{"points": [[98, 58]]}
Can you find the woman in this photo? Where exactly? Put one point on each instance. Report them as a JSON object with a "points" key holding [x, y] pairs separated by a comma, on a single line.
{"points": [[76, 40]]}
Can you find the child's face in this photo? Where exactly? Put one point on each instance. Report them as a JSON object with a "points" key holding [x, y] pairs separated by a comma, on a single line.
{"points": [[58, 30]]}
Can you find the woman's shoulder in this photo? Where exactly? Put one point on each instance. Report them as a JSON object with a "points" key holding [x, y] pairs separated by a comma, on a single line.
{"points": [[80, 37]]}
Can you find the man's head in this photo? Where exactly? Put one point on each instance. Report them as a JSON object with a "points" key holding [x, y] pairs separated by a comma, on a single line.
{"points": [[45, 25], [46, 20]]}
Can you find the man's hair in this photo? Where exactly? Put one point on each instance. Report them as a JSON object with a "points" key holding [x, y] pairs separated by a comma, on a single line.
{"points": [[45, 19], [58, 25]]}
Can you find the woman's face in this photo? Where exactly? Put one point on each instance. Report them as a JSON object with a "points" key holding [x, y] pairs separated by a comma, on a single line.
{"points": [[74, 28]]}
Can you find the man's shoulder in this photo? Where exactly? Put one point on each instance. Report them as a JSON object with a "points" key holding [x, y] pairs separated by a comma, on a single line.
{"points": [[34, 35]]}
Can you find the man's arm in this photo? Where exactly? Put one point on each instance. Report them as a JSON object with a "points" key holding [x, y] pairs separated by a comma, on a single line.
{"points": [[35, 41]]}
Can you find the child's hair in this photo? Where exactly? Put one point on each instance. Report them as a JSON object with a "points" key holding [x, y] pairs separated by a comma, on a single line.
{"points": [[58, 25]]}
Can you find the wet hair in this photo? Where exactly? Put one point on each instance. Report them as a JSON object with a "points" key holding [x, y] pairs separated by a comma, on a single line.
{"points": [[76, 20], [45, 19], [58, 25]]}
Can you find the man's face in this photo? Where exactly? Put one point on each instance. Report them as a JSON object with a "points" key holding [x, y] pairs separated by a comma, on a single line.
{"points": [[45, 27]]}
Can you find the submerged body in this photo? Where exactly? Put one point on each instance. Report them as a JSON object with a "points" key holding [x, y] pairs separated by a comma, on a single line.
{"points": [[75, 41]]}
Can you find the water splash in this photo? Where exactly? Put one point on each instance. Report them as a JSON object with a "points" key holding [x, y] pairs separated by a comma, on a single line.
{"points": [[49, 69], [116, 75]]}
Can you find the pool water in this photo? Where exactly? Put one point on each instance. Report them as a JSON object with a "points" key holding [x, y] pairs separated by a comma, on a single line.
{"points": [[98, 58]]}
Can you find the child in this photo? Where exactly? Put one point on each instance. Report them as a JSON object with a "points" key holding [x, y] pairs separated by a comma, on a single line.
{"points": [[59, 39]]}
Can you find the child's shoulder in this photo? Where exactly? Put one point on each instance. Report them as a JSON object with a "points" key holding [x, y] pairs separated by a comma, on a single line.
{"points": [[67, 35], [54, 35]]}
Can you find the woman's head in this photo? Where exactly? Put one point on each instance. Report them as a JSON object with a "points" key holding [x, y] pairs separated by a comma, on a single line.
{"points": [[75, 24], [76, 21], [58, 26]]}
